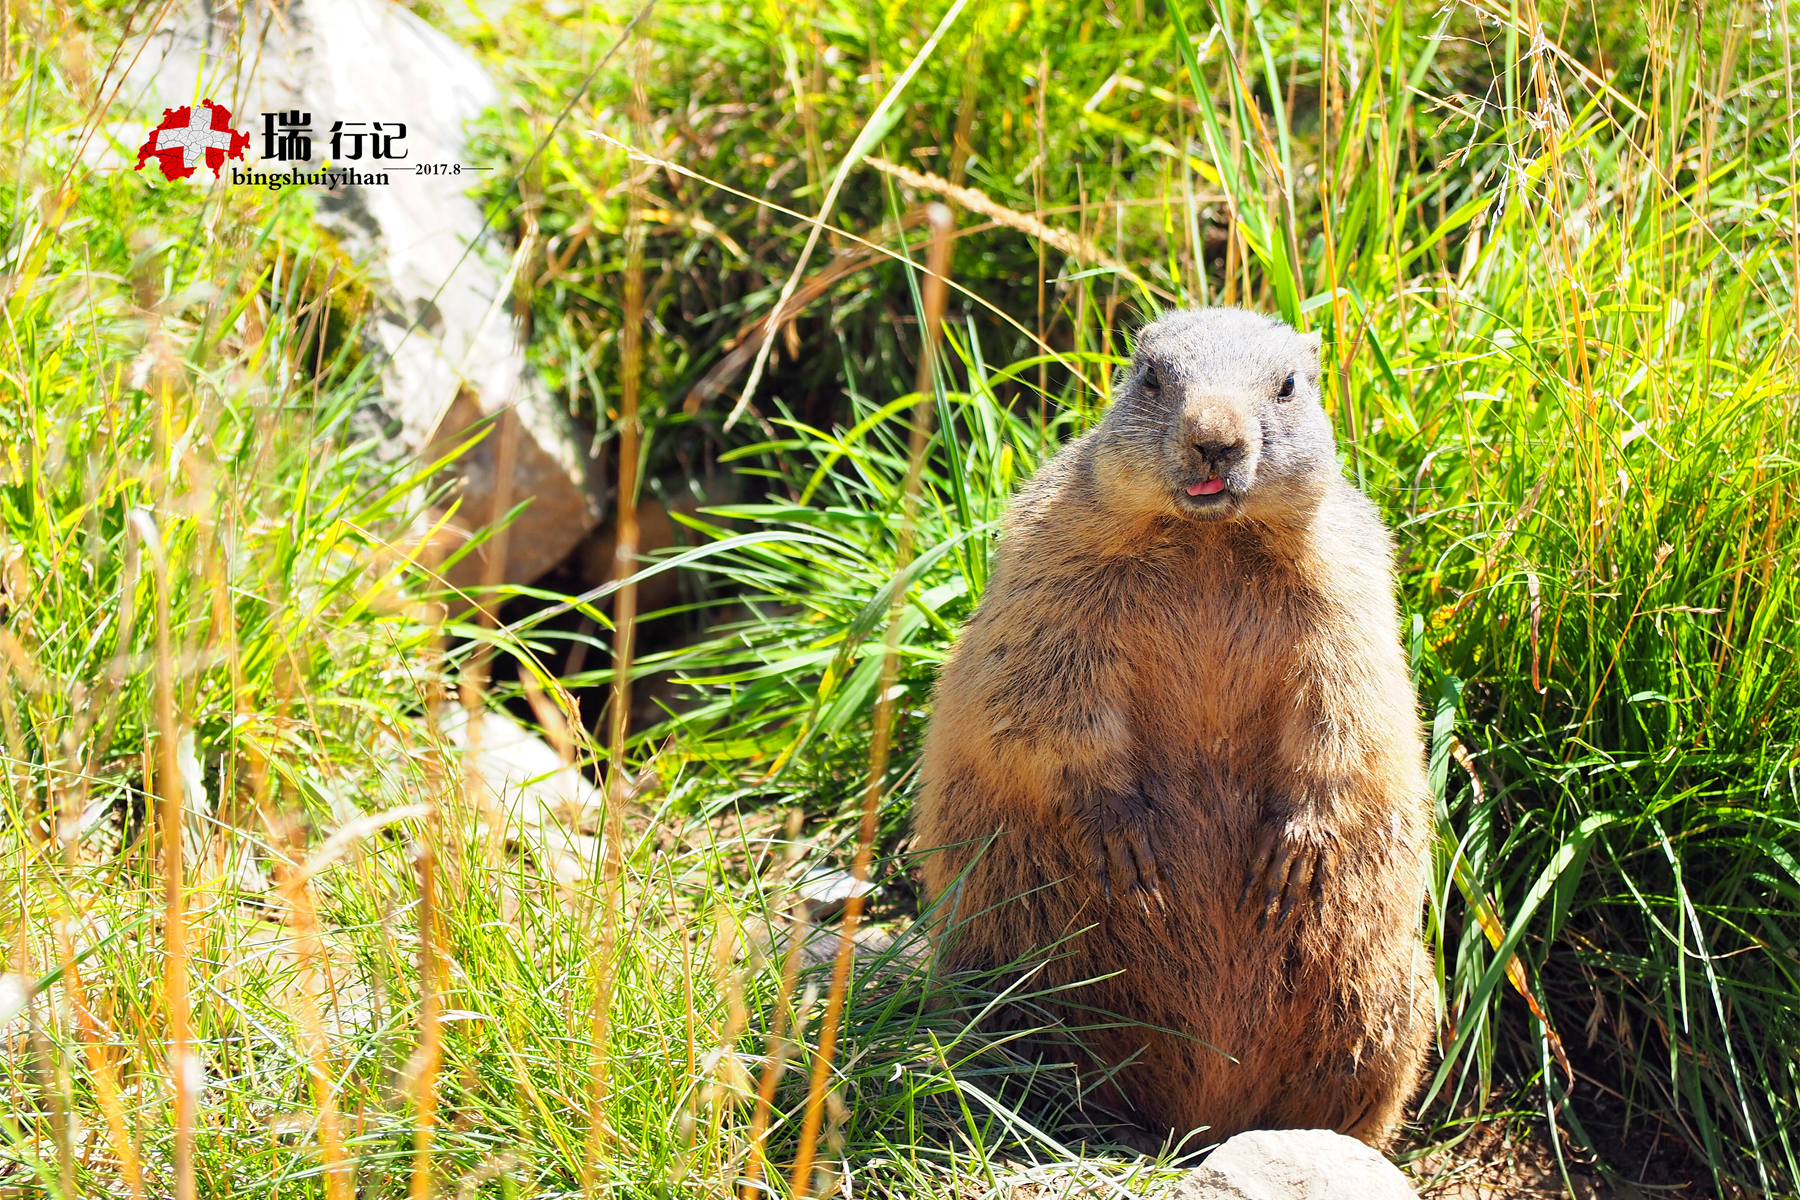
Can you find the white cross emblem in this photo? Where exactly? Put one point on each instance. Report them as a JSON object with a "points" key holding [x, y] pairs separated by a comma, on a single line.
{"points": [[195, 139]]}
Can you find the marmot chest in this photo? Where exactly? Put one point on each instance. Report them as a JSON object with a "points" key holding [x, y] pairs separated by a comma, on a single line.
{"points": [[1209, 662]]}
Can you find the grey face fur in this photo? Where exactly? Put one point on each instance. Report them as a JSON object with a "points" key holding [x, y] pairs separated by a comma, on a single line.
{"points": [[1226, 403]]}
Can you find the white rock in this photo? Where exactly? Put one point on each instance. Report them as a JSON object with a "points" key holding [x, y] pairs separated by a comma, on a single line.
{"points": [[15, 994], [372, 60], [828, 891], [544, 802], [1204, 1183], [1294, 1164]]}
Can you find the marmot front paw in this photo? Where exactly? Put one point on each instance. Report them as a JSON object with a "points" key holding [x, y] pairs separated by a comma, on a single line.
{"points": [[1292, 858], [1116, 829]]}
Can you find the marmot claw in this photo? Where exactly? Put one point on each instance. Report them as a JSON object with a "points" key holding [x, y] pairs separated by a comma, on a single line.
{"points": [[1291, 859], [1115, 827]]}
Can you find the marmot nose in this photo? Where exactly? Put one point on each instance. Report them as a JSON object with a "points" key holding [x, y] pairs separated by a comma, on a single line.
{"points": [[1219, 454]]}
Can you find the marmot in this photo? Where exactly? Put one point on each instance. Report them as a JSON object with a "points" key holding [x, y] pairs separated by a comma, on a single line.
{"points": [[1180, 719]]}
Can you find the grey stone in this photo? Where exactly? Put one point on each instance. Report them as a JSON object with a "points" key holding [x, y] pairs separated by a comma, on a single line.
{"points": [[446, 327], [1204, 1183], [822, 943], [1294, 1164]]}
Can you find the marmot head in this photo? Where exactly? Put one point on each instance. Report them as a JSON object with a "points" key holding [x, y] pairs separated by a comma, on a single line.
{"points": [[1218, 416]]}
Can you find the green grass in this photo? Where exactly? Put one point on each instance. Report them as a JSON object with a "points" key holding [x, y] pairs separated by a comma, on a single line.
{"points": [[1557, 279]]}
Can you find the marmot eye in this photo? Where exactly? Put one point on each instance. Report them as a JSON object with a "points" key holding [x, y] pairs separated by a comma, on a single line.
{"points": [[1150, 382], [1287, 388]]}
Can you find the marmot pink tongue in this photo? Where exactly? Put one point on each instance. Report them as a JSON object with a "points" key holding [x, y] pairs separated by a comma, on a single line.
{"points": [[1210, 487]]}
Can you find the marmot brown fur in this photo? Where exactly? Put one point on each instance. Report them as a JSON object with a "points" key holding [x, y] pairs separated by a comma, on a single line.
{"points": [[1180, 720]]}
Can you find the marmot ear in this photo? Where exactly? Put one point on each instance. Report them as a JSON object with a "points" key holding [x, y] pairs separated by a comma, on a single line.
{"points": [[1312, 342]]}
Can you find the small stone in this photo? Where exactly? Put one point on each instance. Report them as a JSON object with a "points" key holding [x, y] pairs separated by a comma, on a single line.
{"points": [[1294, 1164], [15, 994], [828, 892], [1204, 1183]]}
